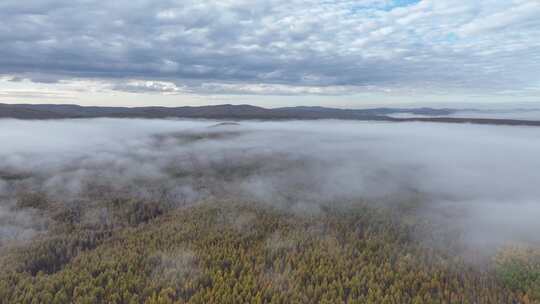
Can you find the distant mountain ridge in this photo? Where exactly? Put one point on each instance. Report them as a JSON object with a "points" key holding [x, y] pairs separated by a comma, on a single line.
{"points": [[45, 111], [229, 111]]}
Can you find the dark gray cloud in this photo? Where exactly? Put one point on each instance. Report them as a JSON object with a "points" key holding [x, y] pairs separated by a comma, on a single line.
{"points": [[320, 46]]}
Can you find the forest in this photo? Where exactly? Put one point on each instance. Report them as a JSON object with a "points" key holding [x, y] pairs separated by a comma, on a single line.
{"points": [[204, 212], [231, 252]]}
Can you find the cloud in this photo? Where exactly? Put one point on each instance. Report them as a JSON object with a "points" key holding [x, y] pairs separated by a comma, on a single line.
{"points": [[523, 15], [148, 87], [35, 94], [483, 46], [272, 89]]}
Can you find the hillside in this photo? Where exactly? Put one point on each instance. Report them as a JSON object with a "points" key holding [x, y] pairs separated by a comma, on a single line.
{"points": [[227, 111]]}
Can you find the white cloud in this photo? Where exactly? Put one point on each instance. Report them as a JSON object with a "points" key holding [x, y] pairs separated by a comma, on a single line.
{"points": [[480, 47], [508, 17], [145, 86]]}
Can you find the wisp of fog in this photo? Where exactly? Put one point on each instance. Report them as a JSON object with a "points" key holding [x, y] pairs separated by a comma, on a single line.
{"points": [[480, 181]]}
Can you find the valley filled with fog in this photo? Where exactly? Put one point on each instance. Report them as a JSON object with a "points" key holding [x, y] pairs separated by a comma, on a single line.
{"points": [[487, 174], [474, 188], [519, 114]]}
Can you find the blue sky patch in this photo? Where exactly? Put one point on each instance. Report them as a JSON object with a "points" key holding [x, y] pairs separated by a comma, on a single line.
{"points": [[401, 3]]}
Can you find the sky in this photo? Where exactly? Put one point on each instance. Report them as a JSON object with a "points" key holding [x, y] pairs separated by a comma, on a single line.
{"points": [[349, 53]]}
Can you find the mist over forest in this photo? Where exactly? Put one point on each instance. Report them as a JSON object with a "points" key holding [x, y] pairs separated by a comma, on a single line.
{"points": [[461, 199], [480, 181]]}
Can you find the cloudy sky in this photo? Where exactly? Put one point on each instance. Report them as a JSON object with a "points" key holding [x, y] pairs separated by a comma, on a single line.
{"points": [[349, 53]]}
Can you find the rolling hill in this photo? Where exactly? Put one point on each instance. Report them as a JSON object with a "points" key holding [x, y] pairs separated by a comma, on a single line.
{"points": [[229, 111]]}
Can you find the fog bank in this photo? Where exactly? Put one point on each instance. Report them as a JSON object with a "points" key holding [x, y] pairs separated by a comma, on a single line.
{"points": [[480, 181], [519, 114]]}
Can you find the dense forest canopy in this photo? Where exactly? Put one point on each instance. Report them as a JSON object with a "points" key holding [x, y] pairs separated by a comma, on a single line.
{"points": [[183, 211]]}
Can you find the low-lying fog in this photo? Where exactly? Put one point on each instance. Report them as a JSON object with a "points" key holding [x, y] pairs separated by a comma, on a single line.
{"points": [[482, 181], [520, 114]]}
